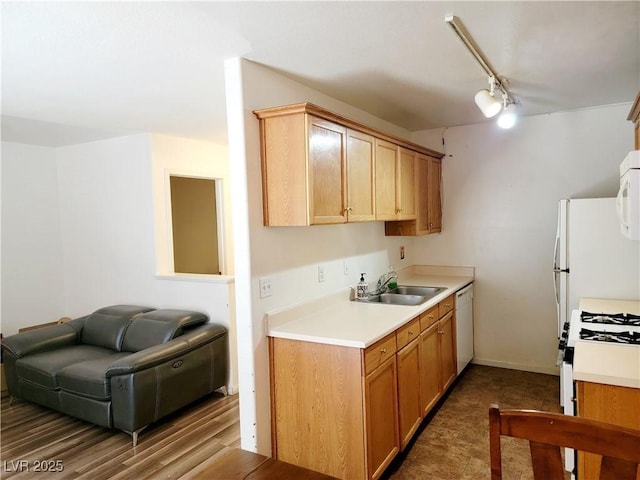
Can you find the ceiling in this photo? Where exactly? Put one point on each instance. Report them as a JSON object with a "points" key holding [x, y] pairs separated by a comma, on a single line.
{"points": [[74, 72]]}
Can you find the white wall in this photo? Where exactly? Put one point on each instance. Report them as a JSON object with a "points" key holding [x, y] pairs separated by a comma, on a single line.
{"points": [[78, 231], [32, 287], [107, 220], [191, 158], [289, 255], [501, 190]]}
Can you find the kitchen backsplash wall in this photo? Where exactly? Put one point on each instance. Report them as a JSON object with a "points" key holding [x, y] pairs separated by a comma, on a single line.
{"points": [[293, 286], [501, 192]]}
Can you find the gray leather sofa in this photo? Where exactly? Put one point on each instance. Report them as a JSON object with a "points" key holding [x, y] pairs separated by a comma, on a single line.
{"points": [[120, 367]]}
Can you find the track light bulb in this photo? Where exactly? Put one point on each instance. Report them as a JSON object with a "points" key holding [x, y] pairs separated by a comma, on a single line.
{"points": [[508, 117], [487, 103]]}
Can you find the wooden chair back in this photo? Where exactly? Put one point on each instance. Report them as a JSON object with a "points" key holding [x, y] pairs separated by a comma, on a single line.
{"points": [[549, 432]]}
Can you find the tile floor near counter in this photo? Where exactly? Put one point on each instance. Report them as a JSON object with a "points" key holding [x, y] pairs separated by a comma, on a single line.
{"points": [[454, 444]]}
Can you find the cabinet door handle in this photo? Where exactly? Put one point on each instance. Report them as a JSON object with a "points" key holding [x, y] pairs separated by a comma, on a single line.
{"points": [[383, 351], [410, 333]]}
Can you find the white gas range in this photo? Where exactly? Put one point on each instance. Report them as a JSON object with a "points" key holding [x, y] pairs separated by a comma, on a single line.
{"points": [[614, 321]]}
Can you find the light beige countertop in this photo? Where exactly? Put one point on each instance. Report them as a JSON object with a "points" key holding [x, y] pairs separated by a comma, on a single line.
{"points": [[336, 320], [607, 363], [606, 305]]}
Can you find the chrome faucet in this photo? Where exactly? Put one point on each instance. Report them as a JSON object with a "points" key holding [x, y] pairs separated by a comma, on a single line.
{"points": [[383, 281]]}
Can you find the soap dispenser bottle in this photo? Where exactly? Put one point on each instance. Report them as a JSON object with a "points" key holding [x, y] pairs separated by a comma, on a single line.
{"points": [[362, 290]]}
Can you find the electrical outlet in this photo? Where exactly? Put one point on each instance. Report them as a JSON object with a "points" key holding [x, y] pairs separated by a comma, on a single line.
{"points": [[265, 287], [401, 253], [320, 273], [345, 267]]}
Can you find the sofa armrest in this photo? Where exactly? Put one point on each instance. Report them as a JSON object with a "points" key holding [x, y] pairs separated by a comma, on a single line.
{"points": [[159, 354], [40, 340]]}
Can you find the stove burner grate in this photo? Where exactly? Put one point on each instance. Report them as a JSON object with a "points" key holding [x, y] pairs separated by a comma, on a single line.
{"points": [[613, 337], [611, 318]]}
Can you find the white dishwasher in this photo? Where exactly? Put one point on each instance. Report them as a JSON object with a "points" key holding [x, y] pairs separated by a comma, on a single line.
{"points": [[464, 326]]}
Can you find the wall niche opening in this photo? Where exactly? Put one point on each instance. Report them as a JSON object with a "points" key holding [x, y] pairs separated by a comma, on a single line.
{"points": [[194, 224]]}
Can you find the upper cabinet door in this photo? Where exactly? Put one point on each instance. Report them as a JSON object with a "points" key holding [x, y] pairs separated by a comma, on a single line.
{"points": [[326, 170], [422, 195], [360, 177], [322, 168], [435, 199], [406, 189], [386, 180]]}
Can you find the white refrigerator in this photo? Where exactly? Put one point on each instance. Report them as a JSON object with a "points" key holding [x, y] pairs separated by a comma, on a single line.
{"points": [[592, 257], [592, 260]]}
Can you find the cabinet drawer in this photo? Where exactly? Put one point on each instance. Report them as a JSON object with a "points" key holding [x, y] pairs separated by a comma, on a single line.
{"points": [[407, 333], [379, 352], [445, 306], [429, 317]]}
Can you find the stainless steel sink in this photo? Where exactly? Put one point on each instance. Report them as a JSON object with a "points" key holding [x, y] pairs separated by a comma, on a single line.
{"points": [[405, 295], [428, 292], [397, 299]]}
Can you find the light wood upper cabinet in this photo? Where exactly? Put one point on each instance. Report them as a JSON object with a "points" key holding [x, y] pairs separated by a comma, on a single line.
{"points": [[434, 195], [386, 180], [321, 168], [406, 188], [303, 173], [428, 207], [395, 182], [360, 205], [422, 195], [327, 180]]}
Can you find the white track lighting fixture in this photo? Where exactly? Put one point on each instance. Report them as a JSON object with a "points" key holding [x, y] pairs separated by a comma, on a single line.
{"points": [[485, 99]]}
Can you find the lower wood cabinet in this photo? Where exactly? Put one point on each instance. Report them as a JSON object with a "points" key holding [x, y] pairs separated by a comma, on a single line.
{"points": [[430, 388], [448, 367], [438, 364], [410, 406], [605, 403], [381, 415], [347, 412]]}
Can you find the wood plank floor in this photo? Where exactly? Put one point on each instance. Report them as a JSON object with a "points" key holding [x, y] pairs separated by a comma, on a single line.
{"points": [[453, 445], [177, 447]]}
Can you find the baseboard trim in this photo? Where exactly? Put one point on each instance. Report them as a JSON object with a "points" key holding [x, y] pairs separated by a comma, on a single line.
{"points": [[517, 366]]}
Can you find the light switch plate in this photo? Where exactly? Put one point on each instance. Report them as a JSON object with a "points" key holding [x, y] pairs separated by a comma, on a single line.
{"points": [[265, 287], [320, 273]]}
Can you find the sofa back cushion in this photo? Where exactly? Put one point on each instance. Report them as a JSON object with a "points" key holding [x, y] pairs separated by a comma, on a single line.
{"points": [[159, 326], [106, 327]]}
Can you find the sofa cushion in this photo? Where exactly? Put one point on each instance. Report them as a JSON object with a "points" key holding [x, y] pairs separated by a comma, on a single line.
{"points": [[159, 326], [43, 368], [106, 327], [87, 378]]}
